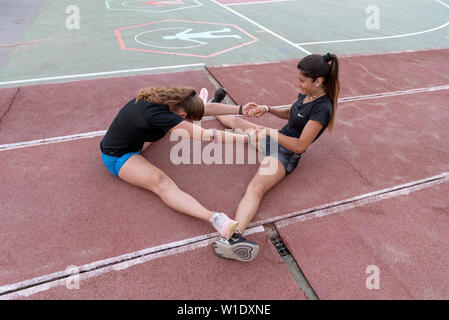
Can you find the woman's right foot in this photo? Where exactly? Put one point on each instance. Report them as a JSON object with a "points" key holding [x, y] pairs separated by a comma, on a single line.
{"points": [[224, 225], [237, 248]]}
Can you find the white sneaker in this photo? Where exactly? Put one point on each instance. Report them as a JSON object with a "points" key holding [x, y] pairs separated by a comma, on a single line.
{"points": [[223, 224], [203, 95]]}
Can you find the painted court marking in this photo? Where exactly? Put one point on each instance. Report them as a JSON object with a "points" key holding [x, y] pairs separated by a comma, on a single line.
{"points": [[385, 37], [262, 27], [107, 73], [147, 6], [44, 283], [92, 134], [243, 2], [188, 35]]}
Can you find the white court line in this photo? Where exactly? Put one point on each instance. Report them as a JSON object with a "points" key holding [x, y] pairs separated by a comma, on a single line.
{"points": [[381, 38], [39, 142], [255, 2], [43, 283], [84, 75], [262, 27], [358, 201], [393, 93], [378, 95], [57, 279], [87, 135]]}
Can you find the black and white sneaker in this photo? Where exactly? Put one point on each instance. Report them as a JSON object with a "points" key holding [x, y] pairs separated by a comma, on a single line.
{"points": [[237, 248], [219, 95]]}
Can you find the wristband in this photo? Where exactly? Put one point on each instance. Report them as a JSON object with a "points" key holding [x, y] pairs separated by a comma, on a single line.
{"points": [[240, 109], [268, 108]]}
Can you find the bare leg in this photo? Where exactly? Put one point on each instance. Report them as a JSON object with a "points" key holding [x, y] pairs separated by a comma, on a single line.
{"points": [[234, 122], [260, 184], [255, 191], [139, 172]]}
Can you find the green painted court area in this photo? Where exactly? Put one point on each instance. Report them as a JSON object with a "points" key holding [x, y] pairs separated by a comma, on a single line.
{"points": [[113, 38], [364, 216]]}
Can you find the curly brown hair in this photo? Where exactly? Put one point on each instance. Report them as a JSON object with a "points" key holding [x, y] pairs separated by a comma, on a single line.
{"points": [[176, 98]]}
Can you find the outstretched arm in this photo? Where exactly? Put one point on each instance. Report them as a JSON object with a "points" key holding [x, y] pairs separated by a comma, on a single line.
{"points": [[221, 109], [283, 113], [190, 130], [260, 110]]}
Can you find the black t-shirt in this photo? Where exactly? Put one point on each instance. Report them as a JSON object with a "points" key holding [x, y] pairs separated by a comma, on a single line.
{"points": [[319, 110], [135, 124]]}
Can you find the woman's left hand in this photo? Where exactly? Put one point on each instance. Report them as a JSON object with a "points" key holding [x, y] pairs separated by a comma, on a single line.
{"points": [[263, 132]]}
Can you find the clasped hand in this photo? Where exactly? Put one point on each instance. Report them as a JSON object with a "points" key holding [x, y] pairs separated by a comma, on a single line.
{"points": [[252, 109]]}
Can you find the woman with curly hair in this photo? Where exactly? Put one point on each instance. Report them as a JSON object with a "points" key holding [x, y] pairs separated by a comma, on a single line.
{"points": [[147, 118]]}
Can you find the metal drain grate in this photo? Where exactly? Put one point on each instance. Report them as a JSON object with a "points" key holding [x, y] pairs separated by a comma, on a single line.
{"points": [[280, 246]]}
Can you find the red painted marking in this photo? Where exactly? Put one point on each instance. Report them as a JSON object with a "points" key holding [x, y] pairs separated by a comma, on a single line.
{"points": [[162, 3], [241, 1], [120, 39]]}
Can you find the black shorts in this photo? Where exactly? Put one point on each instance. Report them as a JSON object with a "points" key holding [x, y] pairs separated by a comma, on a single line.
{"points": [[288, 158]]}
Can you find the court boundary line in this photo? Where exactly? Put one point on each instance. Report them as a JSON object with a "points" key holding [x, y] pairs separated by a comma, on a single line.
{"points": [[383, 37], [44, 283], [93, 134], [262, 27], [199, 4], [255, 2], [94, 74], [197, 64]]}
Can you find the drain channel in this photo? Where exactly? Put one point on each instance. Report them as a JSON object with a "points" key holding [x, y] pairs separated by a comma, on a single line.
{"points": [[292, 265], [280, 246]]}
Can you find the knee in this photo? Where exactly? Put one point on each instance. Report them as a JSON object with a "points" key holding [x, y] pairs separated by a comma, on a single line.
{"points": [[256, 189], [163, 184]]}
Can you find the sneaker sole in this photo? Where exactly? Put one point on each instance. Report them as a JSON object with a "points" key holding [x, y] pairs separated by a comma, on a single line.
{"points": [[241, 252]]}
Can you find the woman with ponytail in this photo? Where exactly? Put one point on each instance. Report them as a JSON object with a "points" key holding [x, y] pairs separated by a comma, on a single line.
{"points": [[312, 113], [147, 118]]}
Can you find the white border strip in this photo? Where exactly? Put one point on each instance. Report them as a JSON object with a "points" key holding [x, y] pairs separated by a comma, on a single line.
{"points": [[39, 142], [254, 2], [379, 95], [87, 135], [122, 262], [393, 93], [44, 283], [262, 27], [83, 75], [381, 38], [358, 201]]}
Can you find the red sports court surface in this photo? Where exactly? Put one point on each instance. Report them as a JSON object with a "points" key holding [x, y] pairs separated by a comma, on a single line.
{"points": [[274, 83], [188, 275], [60, 206], [405, 236], [78, 107]]}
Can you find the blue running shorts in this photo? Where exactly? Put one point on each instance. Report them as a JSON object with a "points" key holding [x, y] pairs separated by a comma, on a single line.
{"points": [[114, 164]]}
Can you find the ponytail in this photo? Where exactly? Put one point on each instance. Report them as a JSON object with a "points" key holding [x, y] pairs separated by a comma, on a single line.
{"points": [[333, 88], [315, 66]]}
